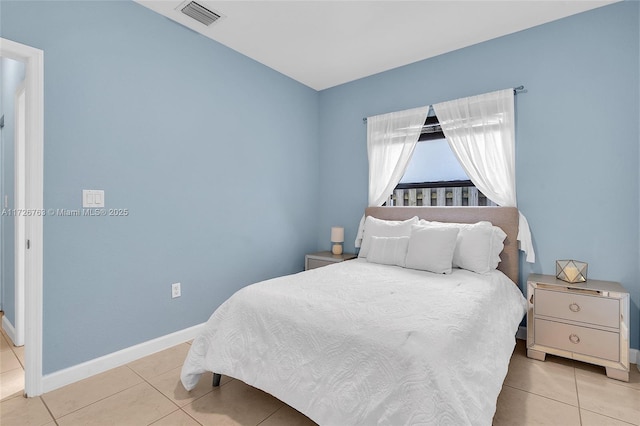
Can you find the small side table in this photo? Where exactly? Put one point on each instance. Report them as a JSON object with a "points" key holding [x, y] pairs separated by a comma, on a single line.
{"points": [[324, 258], [588, 322]]}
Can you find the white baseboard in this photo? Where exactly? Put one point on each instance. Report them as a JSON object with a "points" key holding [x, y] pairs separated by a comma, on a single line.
{"points": [[634, 354], [9, 328], [87, 369]]}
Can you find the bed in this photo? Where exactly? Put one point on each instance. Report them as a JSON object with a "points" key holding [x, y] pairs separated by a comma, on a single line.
{"points": [[364, 343]]}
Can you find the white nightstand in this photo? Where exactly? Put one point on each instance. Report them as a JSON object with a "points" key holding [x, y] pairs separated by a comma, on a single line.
{"points": [[324, 258], [587, 321]]}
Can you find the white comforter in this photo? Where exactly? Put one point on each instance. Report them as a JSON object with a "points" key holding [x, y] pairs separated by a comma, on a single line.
{"points": [[357, 343]]}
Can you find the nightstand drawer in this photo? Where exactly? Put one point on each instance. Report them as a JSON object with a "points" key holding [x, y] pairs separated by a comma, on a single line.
{"points": [[315, 263], [324, 258], [576, 307], [582, 340]]}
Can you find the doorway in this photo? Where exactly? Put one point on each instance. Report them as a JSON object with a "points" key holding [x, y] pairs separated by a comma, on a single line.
{"points": [[12, 189], [31, 240]]}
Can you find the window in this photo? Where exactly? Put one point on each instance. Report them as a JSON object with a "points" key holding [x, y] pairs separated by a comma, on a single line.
{"points": [[434, 176]]}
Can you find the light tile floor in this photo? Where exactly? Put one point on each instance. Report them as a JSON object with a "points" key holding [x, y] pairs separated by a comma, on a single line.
{"points": [[148, 391], [11, 368]]}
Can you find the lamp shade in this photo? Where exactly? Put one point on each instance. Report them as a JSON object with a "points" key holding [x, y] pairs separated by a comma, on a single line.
{"points": [[337, 234]]}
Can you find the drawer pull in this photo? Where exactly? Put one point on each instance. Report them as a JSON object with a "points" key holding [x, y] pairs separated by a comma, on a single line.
{"points": [[573, 338], [574, 307]]}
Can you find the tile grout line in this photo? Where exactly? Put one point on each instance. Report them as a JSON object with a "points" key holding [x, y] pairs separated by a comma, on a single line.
{"points": [[16, 355], [21, 367], [202, 396], [13, 369], [575, 385], [12, 396], [191, 417], [610, 381], [541, 396], [161, 393], [618, 383], [94, 402], [271, 415], [163, 417], [179, 407], [19, 393], [609, 417], [106, 397], [4, 336], [575, 375], [48, 410], [182, 408], [154, 387]]}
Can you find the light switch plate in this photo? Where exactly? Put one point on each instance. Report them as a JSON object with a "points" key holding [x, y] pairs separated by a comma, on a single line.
{"points": [[92, 198]]}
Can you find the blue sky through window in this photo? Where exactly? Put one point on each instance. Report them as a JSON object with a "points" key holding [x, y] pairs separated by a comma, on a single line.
{"points": [[433, 161]]}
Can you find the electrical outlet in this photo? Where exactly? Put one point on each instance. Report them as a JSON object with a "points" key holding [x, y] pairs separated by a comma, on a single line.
{"points": [[175, 290]]}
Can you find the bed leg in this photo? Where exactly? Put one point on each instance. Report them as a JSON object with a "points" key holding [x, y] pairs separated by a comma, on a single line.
{"points": [[216, 380]]}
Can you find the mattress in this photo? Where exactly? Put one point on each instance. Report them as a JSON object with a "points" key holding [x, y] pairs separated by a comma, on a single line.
{"points": [[358, 343]]}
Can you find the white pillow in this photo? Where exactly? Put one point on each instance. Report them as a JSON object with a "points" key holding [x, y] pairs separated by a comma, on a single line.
{"points": [[431, 248], [478, 245], [388, 250], [374, 227]]}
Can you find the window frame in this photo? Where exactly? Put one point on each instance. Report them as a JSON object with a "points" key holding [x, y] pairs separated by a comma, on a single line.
{"points": [[431, 130]]}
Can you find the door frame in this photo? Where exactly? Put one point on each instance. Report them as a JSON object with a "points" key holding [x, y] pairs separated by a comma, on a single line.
{"points": [[34, 178], [19, 203]]}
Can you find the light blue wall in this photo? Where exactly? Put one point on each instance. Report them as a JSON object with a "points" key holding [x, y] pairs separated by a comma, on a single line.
{"points": [[577, 136], [12, 77], [214, 156], [219, 159]]}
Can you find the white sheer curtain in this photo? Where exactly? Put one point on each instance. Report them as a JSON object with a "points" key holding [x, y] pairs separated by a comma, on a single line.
{"points": [[391, 139], [481, 133]]}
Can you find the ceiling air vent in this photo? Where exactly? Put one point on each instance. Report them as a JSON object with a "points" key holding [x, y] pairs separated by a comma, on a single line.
{"points": [[200, 13]]}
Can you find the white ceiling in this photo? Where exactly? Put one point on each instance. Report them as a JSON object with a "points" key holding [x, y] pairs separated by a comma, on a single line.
{"points": [[326, 43]]}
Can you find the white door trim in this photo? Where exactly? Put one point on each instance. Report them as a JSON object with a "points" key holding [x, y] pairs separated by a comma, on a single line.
{"points": [[20, 206], [34, 79]]}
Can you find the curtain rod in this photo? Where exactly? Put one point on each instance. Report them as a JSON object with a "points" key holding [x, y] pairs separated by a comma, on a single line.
{"points": [[516, 90]]}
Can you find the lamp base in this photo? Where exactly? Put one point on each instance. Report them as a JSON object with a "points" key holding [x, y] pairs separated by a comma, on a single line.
{"points": [[336, 249]]}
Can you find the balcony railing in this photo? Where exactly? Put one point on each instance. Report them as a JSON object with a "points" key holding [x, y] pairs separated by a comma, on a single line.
{"points": [[448, 193]]}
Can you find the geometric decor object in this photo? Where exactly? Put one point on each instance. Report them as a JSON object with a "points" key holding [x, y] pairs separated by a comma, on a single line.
{"points": [[571, 271]]}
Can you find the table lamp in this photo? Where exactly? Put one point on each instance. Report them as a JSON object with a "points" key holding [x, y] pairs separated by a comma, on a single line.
{"points": [[337, 238]]}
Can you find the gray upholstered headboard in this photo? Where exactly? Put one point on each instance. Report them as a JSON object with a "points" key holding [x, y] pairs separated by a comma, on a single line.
{"points": [[504, 217]]}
